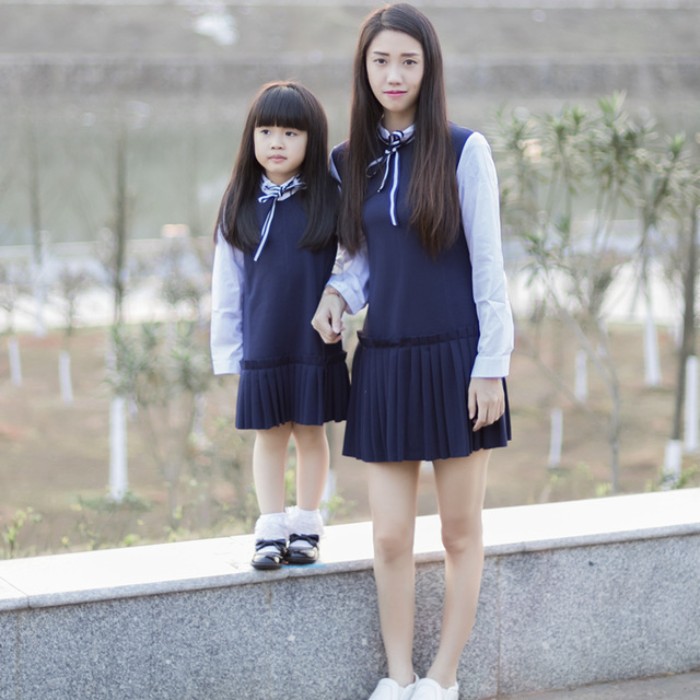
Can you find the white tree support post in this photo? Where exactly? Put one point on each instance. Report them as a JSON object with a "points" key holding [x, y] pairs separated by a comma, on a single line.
{"points": [[118, 474], [581, 376], [652, 370], [690, 431], [556, 418], [39, 292], [673, 461], [15, 361], [65, 379]]}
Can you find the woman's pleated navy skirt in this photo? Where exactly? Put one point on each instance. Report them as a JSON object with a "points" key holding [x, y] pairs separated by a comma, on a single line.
{"points": [[409, 401]]}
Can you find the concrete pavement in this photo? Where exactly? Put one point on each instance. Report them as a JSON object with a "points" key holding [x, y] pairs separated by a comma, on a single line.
{"points": [[684, 686]]}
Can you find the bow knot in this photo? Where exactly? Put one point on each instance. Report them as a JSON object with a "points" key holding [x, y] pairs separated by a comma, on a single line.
{"points": [[390, 160], [276, 193]]}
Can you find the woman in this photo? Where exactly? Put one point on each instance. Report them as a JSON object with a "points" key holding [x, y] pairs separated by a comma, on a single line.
{"points": [[420, 228]]}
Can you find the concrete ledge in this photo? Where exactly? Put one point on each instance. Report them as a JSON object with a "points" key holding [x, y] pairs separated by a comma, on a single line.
{"points": [[573, 593]]}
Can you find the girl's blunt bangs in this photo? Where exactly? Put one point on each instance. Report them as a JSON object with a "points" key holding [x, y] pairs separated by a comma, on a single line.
{"points": [[282, 105]]}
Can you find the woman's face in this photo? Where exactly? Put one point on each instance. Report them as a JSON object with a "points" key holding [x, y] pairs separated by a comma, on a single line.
{"points": [[395, 66]]}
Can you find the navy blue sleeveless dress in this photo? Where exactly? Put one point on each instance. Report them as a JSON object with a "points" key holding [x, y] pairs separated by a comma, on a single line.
{"points": [[288, 373], [411, 369]]}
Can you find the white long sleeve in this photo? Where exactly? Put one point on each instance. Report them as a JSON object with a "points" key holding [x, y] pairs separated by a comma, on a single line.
{"points": [[351, 278], [227, 291], [479, 200], [351, 272]]}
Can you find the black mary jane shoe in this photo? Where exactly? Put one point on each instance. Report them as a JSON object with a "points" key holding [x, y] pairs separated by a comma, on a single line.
{"points": [[272, 558], [306, 552]]}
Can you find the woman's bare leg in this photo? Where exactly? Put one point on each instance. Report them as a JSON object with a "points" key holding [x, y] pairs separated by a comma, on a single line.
{"points": [[461, 485], [392, 497]]}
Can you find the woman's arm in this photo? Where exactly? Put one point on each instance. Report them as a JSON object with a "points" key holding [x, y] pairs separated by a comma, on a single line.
{"points": [[479, 200], [346, 291]]}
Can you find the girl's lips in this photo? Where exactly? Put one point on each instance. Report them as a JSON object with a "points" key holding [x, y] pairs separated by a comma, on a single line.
{"points": [[278, 159]]}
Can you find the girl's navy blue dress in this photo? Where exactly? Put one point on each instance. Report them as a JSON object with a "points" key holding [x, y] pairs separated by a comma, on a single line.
{"points": [[288, 373], [413, 364]]}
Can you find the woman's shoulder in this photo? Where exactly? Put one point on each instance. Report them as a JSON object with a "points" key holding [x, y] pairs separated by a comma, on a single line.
{"points": [[468, 142], [463, 137], [458, 131], [339, 152]]}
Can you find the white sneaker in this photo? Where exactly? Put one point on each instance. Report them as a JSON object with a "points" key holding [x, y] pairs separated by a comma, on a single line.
{"points": [[388, 689], [428, 689]]}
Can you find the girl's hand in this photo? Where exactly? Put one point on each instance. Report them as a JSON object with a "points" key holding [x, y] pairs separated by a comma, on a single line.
{"points": [[486, 401], [328, 319]]}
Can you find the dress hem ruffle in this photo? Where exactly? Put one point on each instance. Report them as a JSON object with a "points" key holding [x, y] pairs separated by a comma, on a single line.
{"points": [[298, 390]]}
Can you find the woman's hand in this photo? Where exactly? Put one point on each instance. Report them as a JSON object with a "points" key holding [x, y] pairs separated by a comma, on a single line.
{"points": [[486, 401], [328, 319]]}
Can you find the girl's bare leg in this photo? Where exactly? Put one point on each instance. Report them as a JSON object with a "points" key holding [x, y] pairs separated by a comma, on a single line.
{"points": [[269, 463], [313, 458], [393, 489], [461, 485]]}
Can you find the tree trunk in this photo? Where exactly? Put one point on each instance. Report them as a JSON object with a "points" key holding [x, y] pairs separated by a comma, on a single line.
{"points": [[687, 345], [37, 232], [120, 222], [652, 370]]}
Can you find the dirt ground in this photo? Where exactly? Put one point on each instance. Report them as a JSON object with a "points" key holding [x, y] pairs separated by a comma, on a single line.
{"points": [[54, 458]]}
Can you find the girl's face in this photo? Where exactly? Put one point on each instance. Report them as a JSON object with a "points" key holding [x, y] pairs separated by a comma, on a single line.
{"points": [[395, 66], [280, 150]]}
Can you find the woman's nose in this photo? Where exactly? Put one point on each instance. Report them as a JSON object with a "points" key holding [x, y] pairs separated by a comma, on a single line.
{"points": [[394, 74]]}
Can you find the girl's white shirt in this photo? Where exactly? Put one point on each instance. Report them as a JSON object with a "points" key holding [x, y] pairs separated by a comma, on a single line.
{"points": [[479, 201], [227, 292]]}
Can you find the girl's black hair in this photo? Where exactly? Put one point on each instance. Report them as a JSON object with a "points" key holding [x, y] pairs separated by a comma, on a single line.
{"points": [[286, 104], [433, 189]]}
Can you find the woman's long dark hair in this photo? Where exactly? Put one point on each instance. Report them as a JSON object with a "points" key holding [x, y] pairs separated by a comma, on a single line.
{"points": [[433, 190], [286, 104]]}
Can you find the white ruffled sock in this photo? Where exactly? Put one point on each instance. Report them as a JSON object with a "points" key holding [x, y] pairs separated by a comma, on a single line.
{"points": [[304, 522], [271, 526]]}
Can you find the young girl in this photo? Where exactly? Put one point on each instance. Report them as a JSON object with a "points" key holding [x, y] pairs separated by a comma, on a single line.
{"points": [[275, 248], [419, 221]]}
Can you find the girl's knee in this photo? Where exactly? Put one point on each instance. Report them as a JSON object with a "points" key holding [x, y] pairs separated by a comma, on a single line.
{"points": [[309, 434]]}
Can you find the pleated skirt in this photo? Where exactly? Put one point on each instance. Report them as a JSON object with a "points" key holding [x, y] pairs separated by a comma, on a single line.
{"points": [[309, 391], [409, 401]]}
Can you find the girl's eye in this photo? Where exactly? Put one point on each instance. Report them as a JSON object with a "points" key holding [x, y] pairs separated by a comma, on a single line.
{"points": [[290, 133], [264, 131]]}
